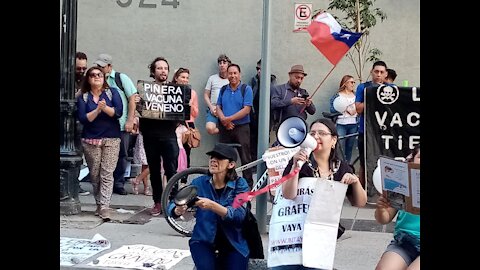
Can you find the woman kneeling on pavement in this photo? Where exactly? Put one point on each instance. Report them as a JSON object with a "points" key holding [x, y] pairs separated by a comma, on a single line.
{"points": [[217, 241]]}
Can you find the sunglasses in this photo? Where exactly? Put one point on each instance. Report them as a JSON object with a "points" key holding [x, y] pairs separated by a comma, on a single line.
{"points": [[258, 68], [95, 75], [81, 68]]}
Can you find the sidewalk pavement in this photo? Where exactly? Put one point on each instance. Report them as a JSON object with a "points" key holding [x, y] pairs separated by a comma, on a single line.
{"points": [[359, 248]]}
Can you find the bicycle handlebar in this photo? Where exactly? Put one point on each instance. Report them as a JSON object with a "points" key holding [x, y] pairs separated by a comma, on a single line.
{"points": [[332, 116], [348, 136]]}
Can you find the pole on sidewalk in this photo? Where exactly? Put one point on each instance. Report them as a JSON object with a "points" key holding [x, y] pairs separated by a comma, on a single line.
{"points": [[264, 120], [70, 157]]}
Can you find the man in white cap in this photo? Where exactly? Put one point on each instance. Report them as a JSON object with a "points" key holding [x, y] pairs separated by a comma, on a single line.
{"points": [[128, 92]]}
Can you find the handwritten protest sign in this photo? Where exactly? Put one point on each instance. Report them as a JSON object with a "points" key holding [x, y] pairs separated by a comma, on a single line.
{"points": [[141, 257], [277, 159], [164, 101], [74, 250]]}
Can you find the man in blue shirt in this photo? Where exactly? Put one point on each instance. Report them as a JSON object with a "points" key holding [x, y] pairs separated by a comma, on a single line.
{"points": [[378, 73], [233, 111]]}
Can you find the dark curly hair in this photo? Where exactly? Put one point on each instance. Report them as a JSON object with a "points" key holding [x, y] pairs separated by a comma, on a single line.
{"points": [[152, 65]]}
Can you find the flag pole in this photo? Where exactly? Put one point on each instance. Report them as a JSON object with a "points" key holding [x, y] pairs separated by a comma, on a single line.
{"points": [[328, 74], [318, 87]]}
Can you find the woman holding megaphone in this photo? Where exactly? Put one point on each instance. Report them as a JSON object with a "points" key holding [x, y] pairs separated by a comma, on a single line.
{"points": [[322, 164]]}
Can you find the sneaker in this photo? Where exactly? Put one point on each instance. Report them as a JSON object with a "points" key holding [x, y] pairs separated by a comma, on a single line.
{"points": [[156, 210], [82, 192], [105, 214], [120, 191]]}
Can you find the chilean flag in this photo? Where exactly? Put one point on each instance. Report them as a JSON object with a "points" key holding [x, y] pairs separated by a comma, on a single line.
{"points": [[329, 37]]}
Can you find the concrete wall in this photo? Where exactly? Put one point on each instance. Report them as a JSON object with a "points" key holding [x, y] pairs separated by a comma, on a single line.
{"points": [[197, 31]]}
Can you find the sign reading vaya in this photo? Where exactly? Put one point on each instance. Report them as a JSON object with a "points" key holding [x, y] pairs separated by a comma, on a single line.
{"points": [[164, 101], [392, 123]]}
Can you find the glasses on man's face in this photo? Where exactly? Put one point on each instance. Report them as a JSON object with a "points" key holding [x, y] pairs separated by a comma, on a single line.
{"points": [[258, 68], [95, 75], [81, 68], [320, 133], [223, 61]]}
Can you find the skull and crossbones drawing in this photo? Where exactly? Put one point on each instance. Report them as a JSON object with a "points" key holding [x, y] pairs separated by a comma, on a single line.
{"points": [[387, 94]]}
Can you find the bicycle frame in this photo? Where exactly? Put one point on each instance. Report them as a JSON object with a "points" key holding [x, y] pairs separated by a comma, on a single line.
{"points": [[185, 226], [342, 151]]}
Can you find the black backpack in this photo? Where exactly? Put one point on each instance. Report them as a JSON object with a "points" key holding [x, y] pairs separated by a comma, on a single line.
{"points": [[118, 81], [133, 137]]}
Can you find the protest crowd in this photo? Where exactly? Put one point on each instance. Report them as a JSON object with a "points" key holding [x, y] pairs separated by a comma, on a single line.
{"points": [[122, 123]]}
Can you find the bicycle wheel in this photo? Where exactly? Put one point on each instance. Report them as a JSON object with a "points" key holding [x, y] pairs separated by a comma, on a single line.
{"points": [[185, 223]]}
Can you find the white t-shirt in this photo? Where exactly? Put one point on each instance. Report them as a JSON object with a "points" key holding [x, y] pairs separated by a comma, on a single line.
{"points": [[214, 84], [346, 118]]}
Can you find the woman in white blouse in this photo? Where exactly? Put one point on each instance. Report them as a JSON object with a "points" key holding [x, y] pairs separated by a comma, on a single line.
{"points": [[344, 102]]}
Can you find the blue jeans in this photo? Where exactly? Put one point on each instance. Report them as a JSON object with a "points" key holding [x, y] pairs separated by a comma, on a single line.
{"points": [[347, 144], [405, 245], [204, 257]]}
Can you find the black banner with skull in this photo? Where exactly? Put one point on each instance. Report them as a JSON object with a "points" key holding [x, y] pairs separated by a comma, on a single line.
{"points": [[392, 123]]}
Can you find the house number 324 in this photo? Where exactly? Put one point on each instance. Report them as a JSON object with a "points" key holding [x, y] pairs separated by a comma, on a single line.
{"points": [[142, 4]]}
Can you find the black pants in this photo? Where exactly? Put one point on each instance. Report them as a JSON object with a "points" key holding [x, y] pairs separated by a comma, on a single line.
{"points": [[187, 147], [119, 173], [240, 134], [158, 150], [361, 150], [253, 136]]}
